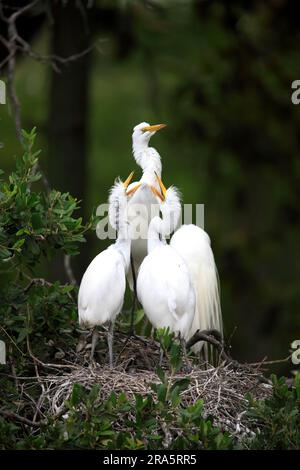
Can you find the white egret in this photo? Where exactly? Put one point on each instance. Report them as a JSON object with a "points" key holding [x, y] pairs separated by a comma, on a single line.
{"points": [[102, 289], [192, 243], [142, 203], [164, 285]]}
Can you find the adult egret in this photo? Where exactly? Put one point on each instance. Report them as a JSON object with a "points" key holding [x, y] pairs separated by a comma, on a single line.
{"points": [[102, 289], [143, 204], [164, 285], [192, 243]]}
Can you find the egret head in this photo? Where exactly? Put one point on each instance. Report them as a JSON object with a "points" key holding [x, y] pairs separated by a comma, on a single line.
{"points": [[143, 132], [170, 205], [118, 200]]}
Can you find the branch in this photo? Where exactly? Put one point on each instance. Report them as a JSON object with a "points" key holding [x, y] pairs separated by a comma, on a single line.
{"points": [[21, 11], [15, 417], [69, 271], [13, 44], [34, 282], [214, 338], [211, 336], [47, 365], [53, 59], [275, 361]]}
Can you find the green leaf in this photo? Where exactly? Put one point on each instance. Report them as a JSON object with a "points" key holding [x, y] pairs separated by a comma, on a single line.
{"points": [[161, 374]]}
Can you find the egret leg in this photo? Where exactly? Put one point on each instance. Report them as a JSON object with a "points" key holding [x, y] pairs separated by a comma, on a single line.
{"points": [[110, 338], [94, 343], [184, 353], [133, 308], [161, 355]]}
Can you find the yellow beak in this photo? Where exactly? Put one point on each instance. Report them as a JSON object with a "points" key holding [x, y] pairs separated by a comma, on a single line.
{"points": [[127, 181], [162, 186], [157, 193], [154, 128], [133, 190]]}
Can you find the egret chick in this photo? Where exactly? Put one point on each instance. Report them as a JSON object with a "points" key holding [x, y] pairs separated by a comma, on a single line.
{"points": [[193, 245], [164, 285], [102, 288]]}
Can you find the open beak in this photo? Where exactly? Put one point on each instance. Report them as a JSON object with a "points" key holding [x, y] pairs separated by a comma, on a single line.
{"points": [[154, 128], [157, 193], [127, 181], [133, 190], [162, 186]]}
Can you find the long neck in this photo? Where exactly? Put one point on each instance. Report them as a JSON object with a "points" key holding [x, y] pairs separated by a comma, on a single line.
{"points": [[123, 241], [123, 246], [162, 227], [154, 234], [149, 160]]}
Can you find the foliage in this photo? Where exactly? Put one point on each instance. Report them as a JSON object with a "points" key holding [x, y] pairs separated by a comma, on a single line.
{"points": [[156, 421], [34, 225], [219, 74], [33, 311], [278, 417]]}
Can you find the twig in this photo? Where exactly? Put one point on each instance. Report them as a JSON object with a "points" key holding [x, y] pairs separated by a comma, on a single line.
{"points": [[12, 340], [212, 337], [47, 365], [16, 43], [15, 417], [69, 271], [223, 389], [36, 281], [14, 374], [276, 361]]}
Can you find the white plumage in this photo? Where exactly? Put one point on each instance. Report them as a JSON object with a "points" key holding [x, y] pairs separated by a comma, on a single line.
{"points": [[178, 283], [193, 244], [102, 289], [142, 205], [165, 291], [164, 286]]}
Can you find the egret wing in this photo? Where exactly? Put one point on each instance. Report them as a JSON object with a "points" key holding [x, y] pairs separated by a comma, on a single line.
{"points": [[102, 289], [193, 245]]}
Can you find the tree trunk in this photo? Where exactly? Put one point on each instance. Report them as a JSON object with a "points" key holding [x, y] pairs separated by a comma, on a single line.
{"points": [[69, 108]]}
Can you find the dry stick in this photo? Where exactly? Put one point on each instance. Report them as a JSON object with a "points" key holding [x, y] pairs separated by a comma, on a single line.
{"points": [[14, 374], [276, 361], [16, 108], [68, 270], [23, 46], [34, 282], [212, 337], [41, 398], [15, 417], [53, 59], [11, 63], [12, 340], [39, 281], [47, 365], [223, 385]]}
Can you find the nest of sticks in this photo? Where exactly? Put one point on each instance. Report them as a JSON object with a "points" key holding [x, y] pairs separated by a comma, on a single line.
{"points": [[223, 389]]}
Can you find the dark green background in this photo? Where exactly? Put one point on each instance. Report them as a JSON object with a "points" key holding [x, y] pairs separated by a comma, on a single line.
{"points": [[219, 74]]}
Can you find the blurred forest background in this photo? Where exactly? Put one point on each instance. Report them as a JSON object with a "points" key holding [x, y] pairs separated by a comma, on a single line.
{"points": [[219, 75]]}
